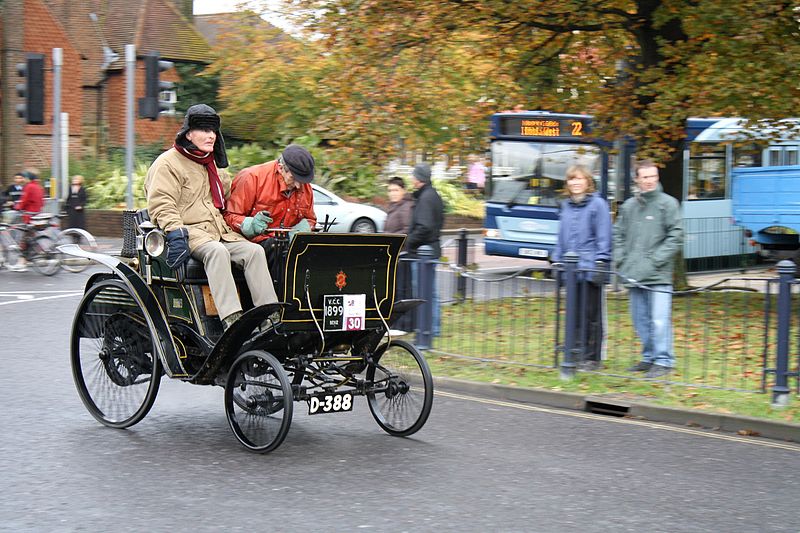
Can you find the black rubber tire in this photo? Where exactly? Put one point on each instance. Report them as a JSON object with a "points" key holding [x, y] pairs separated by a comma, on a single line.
{"points": [[114, 363], [399, 388], [258, 401], [363, 225]]}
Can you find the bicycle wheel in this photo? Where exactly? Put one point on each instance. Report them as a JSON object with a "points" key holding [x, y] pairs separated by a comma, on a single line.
{"points": [[258, 401], [399, 388], [9, 252], [114, 363], [84, 240], [43, 255]]}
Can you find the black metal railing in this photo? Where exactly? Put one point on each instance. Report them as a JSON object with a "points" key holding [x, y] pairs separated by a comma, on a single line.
{"points": [[735, 333]]}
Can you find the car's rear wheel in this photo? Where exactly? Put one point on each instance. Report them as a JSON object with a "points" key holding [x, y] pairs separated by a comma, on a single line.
{"points": [[363, 225]]}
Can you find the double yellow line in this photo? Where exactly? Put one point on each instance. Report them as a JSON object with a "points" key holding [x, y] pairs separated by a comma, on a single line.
{"points": [[629, 421]]}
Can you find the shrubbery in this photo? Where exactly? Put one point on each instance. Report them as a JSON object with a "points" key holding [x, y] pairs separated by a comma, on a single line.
{"points": [[107, 184]]}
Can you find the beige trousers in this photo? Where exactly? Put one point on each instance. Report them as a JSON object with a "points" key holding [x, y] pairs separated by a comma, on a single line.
{"points": [[217, 258]]}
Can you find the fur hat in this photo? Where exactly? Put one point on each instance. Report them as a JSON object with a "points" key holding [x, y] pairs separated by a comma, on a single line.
{"points": [[203, 117]]}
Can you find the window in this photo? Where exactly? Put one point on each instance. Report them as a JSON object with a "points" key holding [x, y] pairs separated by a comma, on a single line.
{"points": [[533, 173], [747, 156], [782, 155], [320, 198], [707, 172], [168, 99]]}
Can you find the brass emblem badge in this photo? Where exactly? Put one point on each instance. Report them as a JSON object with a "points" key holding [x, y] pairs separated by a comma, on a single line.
{"points": [[341, 280]]}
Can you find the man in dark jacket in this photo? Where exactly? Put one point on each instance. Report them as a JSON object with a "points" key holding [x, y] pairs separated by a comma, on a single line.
{"points": [[14, 191], [427, 219]]}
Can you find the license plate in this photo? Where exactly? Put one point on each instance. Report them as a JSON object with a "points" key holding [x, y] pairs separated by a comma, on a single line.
{"points": [[330, 403], [344, 312], [532, 252]]}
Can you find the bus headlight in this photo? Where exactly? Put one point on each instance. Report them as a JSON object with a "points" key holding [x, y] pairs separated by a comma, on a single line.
{"points": [[154, 243], [492, 233]]}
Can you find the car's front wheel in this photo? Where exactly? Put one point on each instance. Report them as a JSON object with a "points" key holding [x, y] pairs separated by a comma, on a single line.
{"points": [[363, 225]]}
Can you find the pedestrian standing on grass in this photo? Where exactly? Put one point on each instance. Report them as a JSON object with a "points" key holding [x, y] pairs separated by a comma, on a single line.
{"points": [[427, 220], [398, 220], [648, 234], [398, 212], [585, 229]]}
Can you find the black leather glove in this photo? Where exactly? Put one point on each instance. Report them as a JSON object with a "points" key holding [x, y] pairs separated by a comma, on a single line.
{"points": [[600, 275], [177, 247]]}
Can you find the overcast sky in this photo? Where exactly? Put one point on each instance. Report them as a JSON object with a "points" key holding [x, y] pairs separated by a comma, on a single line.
{"points": [[203, 7]]}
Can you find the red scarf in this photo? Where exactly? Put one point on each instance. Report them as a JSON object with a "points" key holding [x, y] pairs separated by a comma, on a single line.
{"points": [[207, 160]]}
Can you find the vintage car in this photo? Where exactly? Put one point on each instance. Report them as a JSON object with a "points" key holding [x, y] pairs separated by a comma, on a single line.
{"points": [[331, 344]]}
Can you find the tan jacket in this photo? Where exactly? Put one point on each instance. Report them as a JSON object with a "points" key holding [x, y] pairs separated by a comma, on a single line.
{"points": [[178, 195]]}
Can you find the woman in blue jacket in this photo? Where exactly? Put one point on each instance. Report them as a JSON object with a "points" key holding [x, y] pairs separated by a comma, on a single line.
{"points": [[585, 229]]}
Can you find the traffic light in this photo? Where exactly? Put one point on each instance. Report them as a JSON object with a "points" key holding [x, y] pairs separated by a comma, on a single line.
{"points": [[32, 90], [151, 104]]}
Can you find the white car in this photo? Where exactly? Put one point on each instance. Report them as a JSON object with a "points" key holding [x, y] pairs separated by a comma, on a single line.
{"points": [[346, 216]]}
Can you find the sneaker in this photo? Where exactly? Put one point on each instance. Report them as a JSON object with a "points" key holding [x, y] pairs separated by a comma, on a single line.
{"points": [[657, 371], [590, 365], [641, 366], [397, 332], [17, 268]]}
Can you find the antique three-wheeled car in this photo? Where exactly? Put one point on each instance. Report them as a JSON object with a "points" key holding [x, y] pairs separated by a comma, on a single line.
{"points": [[330, 345]]}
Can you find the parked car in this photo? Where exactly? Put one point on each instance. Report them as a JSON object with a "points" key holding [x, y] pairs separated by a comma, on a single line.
{"points": [[347, 216]]}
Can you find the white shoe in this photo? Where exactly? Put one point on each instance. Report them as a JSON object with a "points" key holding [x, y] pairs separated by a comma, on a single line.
{"points": [[18, 268], [397, 332]]}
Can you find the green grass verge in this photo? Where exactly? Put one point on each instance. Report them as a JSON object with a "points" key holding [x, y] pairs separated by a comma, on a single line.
{"points": [[719, 341], [589, 383]]}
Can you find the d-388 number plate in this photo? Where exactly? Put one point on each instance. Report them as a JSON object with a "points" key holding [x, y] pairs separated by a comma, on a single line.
{"points": [[330, 403]]}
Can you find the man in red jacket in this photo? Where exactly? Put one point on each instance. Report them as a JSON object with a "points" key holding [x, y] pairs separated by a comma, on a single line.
{"points": [[272, 195], [281, 188], [32, 199]]}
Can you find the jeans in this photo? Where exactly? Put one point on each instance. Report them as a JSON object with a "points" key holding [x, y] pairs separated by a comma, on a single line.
{"points": [[435, 326], [651, 312]]}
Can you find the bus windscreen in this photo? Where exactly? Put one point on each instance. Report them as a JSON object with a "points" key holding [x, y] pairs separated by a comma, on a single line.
{"points": [[533, 173]]}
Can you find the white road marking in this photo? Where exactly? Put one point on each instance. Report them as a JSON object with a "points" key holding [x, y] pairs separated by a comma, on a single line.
{"points": [[12, 293], [23, 299], [630, 421]]}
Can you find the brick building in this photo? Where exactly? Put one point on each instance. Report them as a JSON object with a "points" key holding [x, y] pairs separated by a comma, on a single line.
{"points": [[92, 88]]}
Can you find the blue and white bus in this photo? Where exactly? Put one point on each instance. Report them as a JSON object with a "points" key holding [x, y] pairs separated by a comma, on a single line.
{"points": [[531, 151]]}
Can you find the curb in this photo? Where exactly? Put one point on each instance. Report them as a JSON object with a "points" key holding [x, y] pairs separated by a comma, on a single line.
{"points": [[742, 425]]}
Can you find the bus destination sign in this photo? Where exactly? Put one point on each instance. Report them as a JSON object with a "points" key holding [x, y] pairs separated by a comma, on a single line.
{"points": [[543, 127]]}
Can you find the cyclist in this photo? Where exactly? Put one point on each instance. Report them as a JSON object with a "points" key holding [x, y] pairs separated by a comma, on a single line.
{"points": [[32, 199]]}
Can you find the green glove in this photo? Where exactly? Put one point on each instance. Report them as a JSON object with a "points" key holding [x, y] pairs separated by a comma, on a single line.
{"points": [[302, 226], [256, 225]]}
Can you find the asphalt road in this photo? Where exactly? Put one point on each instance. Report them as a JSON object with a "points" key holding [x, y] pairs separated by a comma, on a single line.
{"points": [[478, 465]]}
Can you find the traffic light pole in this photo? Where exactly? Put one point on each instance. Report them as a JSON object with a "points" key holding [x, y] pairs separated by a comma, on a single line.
{"points": [[55, 166], [130, 72]]}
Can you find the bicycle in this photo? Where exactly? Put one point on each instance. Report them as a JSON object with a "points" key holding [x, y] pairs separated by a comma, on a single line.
{"points": [[84, 240], [34, 245]]}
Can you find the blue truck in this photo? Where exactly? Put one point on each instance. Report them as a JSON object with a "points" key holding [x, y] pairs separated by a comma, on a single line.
{"points": [[766, 202]]}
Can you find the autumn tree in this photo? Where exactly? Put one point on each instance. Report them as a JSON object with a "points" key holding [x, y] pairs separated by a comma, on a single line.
{"points": [[410, 68]]}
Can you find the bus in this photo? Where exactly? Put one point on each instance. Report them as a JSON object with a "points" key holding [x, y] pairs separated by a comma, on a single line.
{"points": [[531, 151]]}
